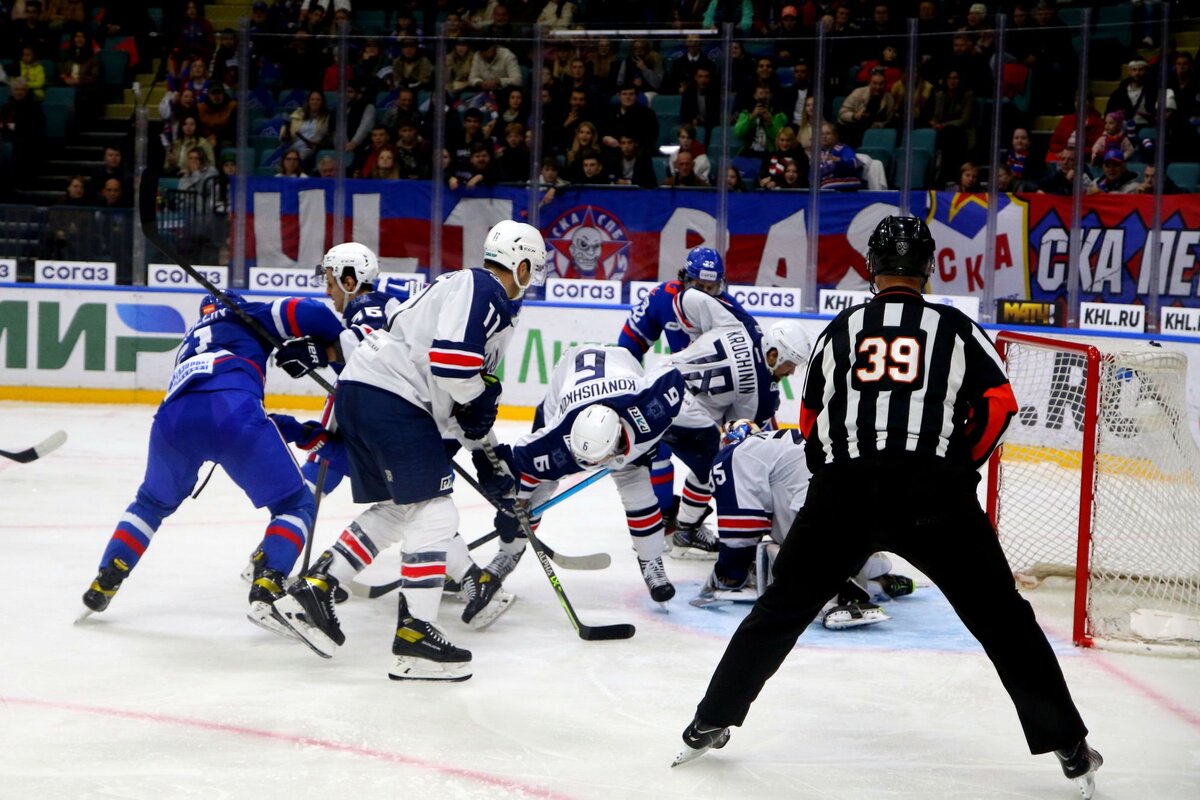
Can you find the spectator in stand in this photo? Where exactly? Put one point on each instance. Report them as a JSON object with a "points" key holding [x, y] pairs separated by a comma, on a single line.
{"points": [[218, 116], [804, 130], [887, 59], [1050, 54], [695, 148], [30, 32], [197, 169], [870, 106], [1062, 180], [79, 66], [315, 22], [334, 71], [1117, 179], [1135, 96], [76, 193], [643, 69], [512, 165], [308, 129], [406, 23], [112, 168], [787, 150], [1065, 129], [604, 67], [367, 155], [549, 181], [33, 72], [494, 67], [795, 96], [64, 15], [701, 102], [586, 142], [968, 179], [971, 67], [479, 169], [757, 127], [881, 31], [764, 75], [458, 66], [793, 177], [385, 166], [787, 34], [921, 106], [592, 172], [560, 62], [403, 107], [112, 195], [302, 64], [326, 167], [839, 166], [953, 106], [194, 77], [683, 171], [290, 166], [187, 139], [224, 61], [1183, 82], [501, 26], [372, 67], [578, 80], [412, 155], [515, 109], [557, 15], [733, 180], [682, 73], [195, 39], [1024, 167], [411, 68], [1146, 186], [265, 35], [360, 117], [560, 134], [739, 12], [472, 133], [630, 118], [1113, 138], [631, 165]]}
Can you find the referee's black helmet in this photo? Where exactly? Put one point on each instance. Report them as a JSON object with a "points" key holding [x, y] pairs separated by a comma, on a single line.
{"points": [[900, 246]]}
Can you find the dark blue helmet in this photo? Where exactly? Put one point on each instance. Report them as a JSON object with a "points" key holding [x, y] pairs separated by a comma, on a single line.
{"points": [[704, 264], [210, 302]]}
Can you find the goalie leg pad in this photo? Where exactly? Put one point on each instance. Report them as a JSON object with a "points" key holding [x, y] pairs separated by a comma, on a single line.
{"points": [[854, 615], [764, 563]]}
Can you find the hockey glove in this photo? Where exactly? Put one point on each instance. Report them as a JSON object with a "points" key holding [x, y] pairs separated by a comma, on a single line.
{"points": [[310, 436], [478, 416], [498, 486], [298, 357]]}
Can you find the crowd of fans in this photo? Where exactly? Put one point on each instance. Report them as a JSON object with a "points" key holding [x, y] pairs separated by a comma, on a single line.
{"points": [[641, 112]]}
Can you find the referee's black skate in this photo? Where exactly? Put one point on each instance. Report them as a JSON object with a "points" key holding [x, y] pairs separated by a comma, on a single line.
{"points": [[264, 591], [655, 576], [698, 738], [101, 592], [1079, 763], [423, 653], [308, 610]]}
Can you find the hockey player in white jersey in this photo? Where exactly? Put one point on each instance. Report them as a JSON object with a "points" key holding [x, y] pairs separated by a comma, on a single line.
{"points": [[424, 376], [601, 409], [761, 481]]}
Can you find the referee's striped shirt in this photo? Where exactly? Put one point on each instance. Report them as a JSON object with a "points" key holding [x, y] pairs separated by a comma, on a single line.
{"points": [[898, 375]]}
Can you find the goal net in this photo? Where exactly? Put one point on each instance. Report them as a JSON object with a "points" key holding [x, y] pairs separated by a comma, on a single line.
{"points": [[1099, 480]]}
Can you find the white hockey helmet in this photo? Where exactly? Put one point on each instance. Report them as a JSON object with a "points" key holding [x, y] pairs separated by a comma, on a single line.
{"points": [[352, 258], [598, 435], [509, 243], [790, 342]]}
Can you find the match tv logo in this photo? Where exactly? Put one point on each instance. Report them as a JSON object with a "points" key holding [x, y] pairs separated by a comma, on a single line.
{"points": [[588, 242]]}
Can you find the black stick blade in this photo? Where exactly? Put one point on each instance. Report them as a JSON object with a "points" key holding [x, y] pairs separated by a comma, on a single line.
{"points": [[601, 633]]}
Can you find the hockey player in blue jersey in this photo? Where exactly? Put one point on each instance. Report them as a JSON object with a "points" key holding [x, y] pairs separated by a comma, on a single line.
{"points": [[657, 316], [213, 411], [602, 409], [423, 377]]}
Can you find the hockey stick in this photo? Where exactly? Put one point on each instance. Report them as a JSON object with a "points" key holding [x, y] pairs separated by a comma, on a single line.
{"points": [[203, 483], [42, 448], [147, 214], [590, 633], [592, 561]]}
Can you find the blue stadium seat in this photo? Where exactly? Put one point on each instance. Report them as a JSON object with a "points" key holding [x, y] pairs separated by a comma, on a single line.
{"points": [[58, 119], [113, 64], [884, 138], [59, 96], [925, 140], [1185, 174]]}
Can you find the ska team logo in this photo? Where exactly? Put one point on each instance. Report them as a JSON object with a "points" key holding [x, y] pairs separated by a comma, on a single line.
{"points": [[589, 242]]}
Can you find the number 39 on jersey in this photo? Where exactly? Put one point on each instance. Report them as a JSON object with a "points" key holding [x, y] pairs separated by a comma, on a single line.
{"points": [[888, 358]]}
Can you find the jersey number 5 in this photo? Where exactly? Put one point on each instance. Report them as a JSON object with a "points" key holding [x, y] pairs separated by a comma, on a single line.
{"points": [[887, 360]]}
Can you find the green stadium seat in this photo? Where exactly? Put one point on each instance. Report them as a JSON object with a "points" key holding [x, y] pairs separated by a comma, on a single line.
{"points": [[1185, 174], [113, 64], [58, 119]]}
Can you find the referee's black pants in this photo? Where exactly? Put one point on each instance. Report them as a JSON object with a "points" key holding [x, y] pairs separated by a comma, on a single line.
{"points": [[927, 512]]}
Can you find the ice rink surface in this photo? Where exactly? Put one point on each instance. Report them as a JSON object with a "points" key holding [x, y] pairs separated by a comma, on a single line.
{"points": [[171, 693]]}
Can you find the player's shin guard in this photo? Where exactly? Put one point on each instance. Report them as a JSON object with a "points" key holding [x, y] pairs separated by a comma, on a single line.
{"points": [[694, 500], [284, 539], [662, 478], [131, 537]]}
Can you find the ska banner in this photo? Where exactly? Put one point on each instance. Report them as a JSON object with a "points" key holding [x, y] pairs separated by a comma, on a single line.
{"points": [[619, 233]]}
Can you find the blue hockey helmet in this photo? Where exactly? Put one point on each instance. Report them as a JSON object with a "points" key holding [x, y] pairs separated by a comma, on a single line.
{"points": [[704, 264], [210, 302]]}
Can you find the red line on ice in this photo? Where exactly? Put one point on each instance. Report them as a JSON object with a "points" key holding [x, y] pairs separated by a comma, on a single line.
{"points": [[323, 744]]}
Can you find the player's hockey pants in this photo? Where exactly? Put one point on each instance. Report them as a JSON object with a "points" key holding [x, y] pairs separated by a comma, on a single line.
{"points": [[927, 512], [231, 428]]}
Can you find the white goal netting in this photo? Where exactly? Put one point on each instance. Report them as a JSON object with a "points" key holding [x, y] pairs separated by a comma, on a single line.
{"points": [[1142, 559]]}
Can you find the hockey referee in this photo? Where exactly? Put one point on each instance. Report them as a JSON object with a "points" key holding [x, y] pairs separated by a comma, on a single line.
{"points": [[903, 403]]}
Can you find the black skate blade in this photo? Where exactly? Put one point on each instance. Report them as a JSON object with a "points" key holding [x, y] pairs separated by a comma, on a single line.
{"points": [[426, 679], [602, 633]]}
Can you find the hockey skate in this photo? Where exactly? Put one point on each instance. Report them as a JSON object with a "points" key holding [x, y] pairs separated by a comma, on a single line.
{"points": [[307, 609], [698, 739], [101, 592], [486, 599], [694, 541], [1079, 763], [655, 576], [424, 654], [896, 585], [853, 615], [718, 592], [266, 589], [257, 559]]}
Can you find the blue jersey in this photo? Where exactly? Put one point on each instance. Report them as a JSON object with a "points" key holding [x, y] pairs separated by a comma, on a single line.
{"points": [[220, 351], [657, 315], [647, 405]]}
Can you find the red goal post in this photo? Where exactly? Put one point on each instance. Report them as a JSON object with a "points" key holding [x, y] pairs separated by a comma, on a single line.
{"points": [[1099, 480]]}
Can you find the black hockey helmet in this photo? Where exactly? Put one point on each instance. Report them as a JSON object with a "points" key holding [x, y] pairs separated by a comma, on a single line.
{"points": [[900, 246]]}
